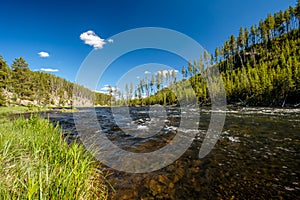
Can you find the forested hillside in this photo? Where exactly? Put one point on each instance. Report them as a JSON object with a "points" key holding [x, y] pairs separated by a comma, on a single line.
{"points": [[259, 67], [21, 86]]}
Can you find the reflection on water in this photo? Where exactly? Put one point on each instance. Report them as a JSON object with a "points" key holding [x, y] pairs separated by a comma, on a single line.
{"points": [[257, 156]]}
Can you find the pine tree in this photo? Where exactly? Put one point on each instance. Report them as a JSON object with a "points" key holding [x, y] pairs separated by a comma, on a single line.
{"points": [[263, 31], [246, 38], [183, 72], [217, 55], [4, 73], [19, 64], [158, 80], [241, 42], [297, 12], [174, 76], [270, 24], [287, 16], [3, 80], [190, 69], [21, 78], [253, 35]]}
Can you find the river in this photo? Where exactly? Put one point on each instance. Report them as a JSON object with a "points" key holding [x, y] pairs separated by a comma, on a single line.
{"points": [[256, 157]]}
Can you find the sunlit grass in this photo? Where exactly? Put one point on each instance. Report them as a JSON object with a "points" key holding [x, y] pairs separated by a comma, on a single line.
{"points": [[5, 111], [12, 110], [36, 163]]}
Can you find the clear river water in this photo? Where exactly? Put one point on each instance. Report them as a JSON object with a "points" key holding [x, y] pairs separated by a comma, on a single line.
{"points": [[256, 157]]}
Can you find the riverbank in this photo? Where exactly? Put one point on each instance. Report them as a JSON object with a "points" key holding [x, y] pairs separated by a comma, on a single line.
{"points": [[36, 163], [5, 111], [10, 110]]}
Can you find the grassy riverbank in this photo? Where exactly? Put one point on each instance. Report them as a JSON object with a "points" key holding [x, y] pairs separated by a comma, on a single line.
{"points": [[5, 111], [36, 163]]}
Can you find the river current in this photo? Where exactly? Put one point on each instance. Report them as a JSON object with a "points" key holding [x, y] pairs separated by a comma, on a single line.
{"points": [[256, 157]]}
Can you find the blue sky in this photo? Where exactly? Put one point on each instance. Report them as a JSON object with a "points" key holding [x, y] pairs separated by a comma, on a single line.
{"points": [[30, 27]]}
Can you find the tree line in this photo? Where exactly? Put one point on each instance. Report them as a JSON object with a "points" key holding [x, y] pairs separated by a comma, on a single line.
{"points": [[259, 67], [21, 86]]}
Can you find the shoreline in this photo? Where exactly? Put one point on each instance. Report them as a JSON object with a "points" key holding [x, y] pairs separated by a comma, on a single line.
{"points": [[9, 110]]}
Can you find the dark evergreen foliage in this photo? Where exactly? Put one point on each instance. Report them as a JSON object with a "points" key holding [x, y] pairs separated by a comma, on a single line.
{"points": [[19, 83], [260, 67]]}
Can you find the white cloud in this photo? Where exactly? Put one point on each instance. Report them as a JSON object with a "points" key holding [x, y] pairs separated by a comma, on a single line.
{"points": [[106, 88], [97, 91], [138, 77], [165, 72], [110, 40], [43, 54], [90, 38], [147, 72], [49, 70]]}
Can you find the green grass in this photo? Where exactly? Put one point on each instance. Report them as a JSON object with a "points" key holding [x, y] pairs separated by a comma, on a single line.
{"points": [[36, 163], [72, 110], [5, 111], [12, 110]]}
